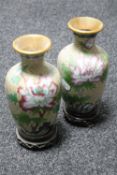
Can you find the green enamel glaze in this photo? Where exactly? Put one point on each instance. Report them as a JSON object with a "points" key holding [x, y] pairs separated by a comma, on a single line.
{"points": [[66, 73], [16, 77], [103, 55], [58, 96], [18, 68], [15, 80], [71, 99], [104, 76], [87, 85], [56, 108], [39, 111], [24, 67], [36, 91], [13, 98], [21, 118], [24, 118], [86, 51], [57, 99], [36, 110]]}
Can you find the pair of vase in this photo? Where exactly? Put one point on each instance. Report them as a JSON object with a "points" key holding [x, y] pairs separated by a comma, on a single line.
{"points": [[34, 87]]}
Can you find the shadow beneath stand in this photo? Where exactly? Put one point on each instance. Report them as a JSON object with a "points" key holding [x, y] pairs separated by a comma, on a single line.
{"points": [[104, 114], [61, 134]]}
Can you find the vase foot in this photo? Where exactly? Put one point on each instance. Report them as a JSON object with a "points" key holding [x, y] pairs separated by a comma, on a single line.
{"points": [[85, 119], [38, 145]]}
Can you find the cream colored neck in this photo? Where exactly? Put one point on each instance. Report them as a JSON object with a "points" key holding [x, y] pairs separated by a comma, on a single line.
{"points": [[33, 63]]}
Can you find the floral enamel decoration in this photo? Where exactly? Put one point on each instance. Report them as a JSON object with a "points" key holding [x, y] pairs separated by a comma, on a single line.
{"points": [[83, 67], [40, 93], [90, 69], [33, 92]]}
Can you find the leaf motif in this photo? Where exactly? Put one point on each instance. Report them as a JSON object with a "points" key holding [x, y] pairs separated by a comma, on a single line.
{"points": [[56, 108], [24, 118], [87, 85], [15, 79], [67, 73], [104, 55], [24, 67], [13, 97], [104, 76], [36, 110], [71, 99]]}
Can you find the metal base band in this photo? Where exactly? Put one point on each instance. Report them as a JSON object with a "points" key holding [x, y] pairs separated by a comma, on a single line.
{"points": [[40, 144], [87, 119]]}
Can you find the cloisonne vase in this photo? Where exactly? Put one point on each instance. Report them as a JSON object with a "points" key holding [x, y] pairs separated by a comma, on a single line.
{"points": [[33, 91], [83, 67]]}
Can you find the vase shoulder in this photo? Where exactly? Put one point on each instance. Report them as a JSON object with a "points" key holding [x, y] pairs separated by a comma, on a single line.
{"points": [[33, 89], [18, 72], [73, 52], [83, 61]]}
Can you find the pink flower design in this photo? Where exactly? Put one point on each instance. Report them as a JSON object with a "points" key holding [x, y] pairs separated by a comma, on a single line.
{"points": [[87, 69], [40, 93]]}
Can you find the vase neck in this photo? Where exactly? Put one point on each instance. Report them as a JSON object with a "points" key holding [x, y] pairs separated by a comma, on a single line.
{"points": [[86, 41], [33, 63]]}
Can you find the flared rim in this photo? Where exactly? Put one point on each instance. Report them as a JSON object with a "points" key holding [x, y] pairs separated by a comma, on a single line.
{"points": [[85, 25], [32, 44]]}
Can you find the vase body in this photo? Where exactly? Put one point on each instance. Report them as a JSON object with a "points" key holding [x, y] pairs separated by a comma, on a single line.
{"points": [[83, 67], [33, 92]]}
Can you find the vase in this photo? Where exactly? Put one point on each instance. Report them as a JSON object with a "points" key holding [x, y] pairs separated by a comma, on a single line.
{"points": [[83, 66], [33, 91]]}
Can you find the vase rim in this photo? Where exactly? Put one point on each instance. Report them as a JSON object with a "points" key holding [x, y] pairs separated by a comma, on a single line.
{"points": [[32, 44], [85, 25]]}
